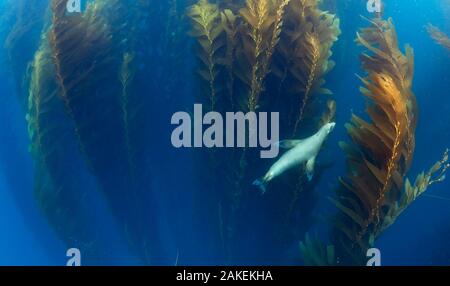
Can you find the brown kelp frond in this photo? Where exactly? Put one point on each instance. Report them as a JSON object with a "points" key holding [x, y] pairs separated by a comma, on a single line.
{"points": [[77, 39], [412, 192], [440, 37], [87, 62], [315, 253], [382, 148], [381, 39], [206, 28], [305, 51], [263, 21]]}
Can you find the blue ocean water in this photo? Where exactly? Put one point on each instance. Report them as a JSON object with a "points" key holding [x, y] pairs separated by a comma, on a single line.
{"points": [[178, 214]]}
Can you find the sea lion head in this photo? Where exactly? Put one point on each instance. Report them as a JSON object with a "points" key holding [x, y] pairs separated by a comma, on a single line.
{"points": [[329, 127]]}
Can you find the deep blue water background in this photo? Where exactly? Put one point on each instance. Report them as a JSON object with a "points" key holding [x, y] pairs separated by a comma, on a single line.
{"points": [[419, 237]]}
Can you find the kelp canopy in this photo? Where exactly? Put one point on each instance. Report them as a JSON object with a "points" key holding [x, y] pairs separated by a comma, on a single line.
{"points": [[241, 45]]}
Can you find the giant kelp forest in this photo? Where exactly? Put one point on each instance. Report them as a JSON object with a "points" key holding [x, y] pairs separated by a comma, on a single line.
{"points": [[92, 85], [88, 125]]}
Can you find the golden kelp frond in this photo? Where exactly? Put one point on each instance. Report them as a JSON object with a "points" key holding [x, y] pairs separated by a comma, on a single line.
{"points": [[440, 37], [305, 51], [382, 148], [411, 193], [314, 253], [263, 24], [381, 40], [230, 25], [206, 28]]}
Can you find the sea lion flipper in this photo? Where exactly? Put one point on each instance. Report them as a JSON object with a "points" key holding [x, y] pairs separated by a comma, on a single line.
{"points": [[310, 168], [289, 144]]}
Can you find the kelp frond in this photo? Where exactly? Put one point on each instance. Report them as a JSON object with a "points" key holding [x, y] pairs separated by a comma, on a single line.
{"points": [[264, 21], [440, 37], [412, 192], [305, 50], [382, 148], [206, 28], [41, 91], [73, 40], [56, 190]]}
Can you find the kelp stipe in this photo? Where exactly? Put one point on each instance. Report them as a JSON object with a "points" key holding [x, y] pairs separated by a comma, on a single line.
{"points": [[438, 36], [304, 55]]}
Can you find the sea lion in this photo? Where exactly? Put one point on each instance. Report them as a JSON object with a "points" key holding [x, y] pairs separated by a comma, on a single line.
{"points": [[301, 151]]}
